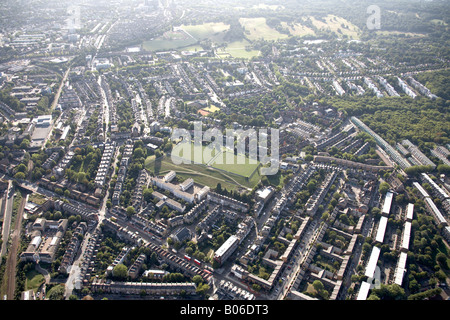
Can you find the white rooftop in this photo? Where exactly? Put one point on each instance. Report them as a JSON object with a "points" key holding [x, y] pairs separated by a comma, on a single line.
{"points": [[373, 260]]}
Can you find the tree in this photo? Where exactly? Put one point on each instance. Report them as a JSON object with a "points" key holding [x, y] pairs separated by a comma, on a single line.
{"points": [[197, 279], [21, 168], [318, 285], [20, 175], [389, 292], [67, 193], [189, 250], [131, 211], [147, 194], [384, 188], [120, 272], [25, 144], [56, 293], [443, 168], [256, 287], [202, 289], [376, 211], [139, 153], [320, 289], [442, 259]]}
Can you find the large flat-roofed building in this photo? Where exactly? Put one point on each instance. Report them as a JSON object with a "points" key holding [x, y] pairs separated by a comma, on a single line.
{"points": [[381, 229], [265, 194], [387, 203], [417, 155], [410, 212], [363, 291], [421, 190], [437, 190], [187, 184], [41, 131], [372, 264], [406, 237], [401, 268], [433, 209], [226, 249], [169, 176], [46, 237], [44, 121], [174, 189]]}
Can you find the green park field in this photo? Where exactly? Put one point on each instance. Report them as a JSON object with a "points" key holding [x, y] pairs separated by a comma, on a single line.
{"points": [[207, 172]]}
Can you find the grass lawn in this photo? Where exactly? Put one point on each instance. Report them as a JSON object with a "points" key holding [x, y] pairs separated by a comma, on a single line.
{"points": [[241, 164], [334, 24], [310, 289], [201, 173], [214, 31], [297, 29], [33, 280], [208, 153], [193, 48], [167, 44], [37, 198], [238, 49], [257, 28], [212, 108]]}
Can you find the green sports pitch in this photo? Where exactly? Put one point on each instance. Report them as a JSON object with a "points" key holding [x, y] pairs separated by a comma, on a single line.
{"points": [[223, 159]]}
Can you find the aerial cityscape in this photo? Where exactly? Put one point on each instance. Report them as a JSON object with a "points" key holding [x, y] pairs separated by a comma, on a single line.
{"points": [[224, 150]]}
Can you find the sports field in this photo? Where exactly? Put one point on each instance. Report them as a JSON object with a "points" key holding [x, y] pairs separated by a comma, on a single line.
{"points": [[207, 172], [238, 49], [241, 164], [224, 160], [201, 174], [189, 153]]}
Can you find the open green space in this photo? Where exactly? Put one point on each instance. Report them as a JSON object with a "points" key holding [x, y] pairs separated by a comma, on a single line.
{"points": [[297, 29], [257, 28], [33, 280], [337, 25], [211, 108], [190, 153], [170, 40], [201, 173], [224, 160], [167, 44], [239, 49], [214, 31], [241, 164], [37, 198]]}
